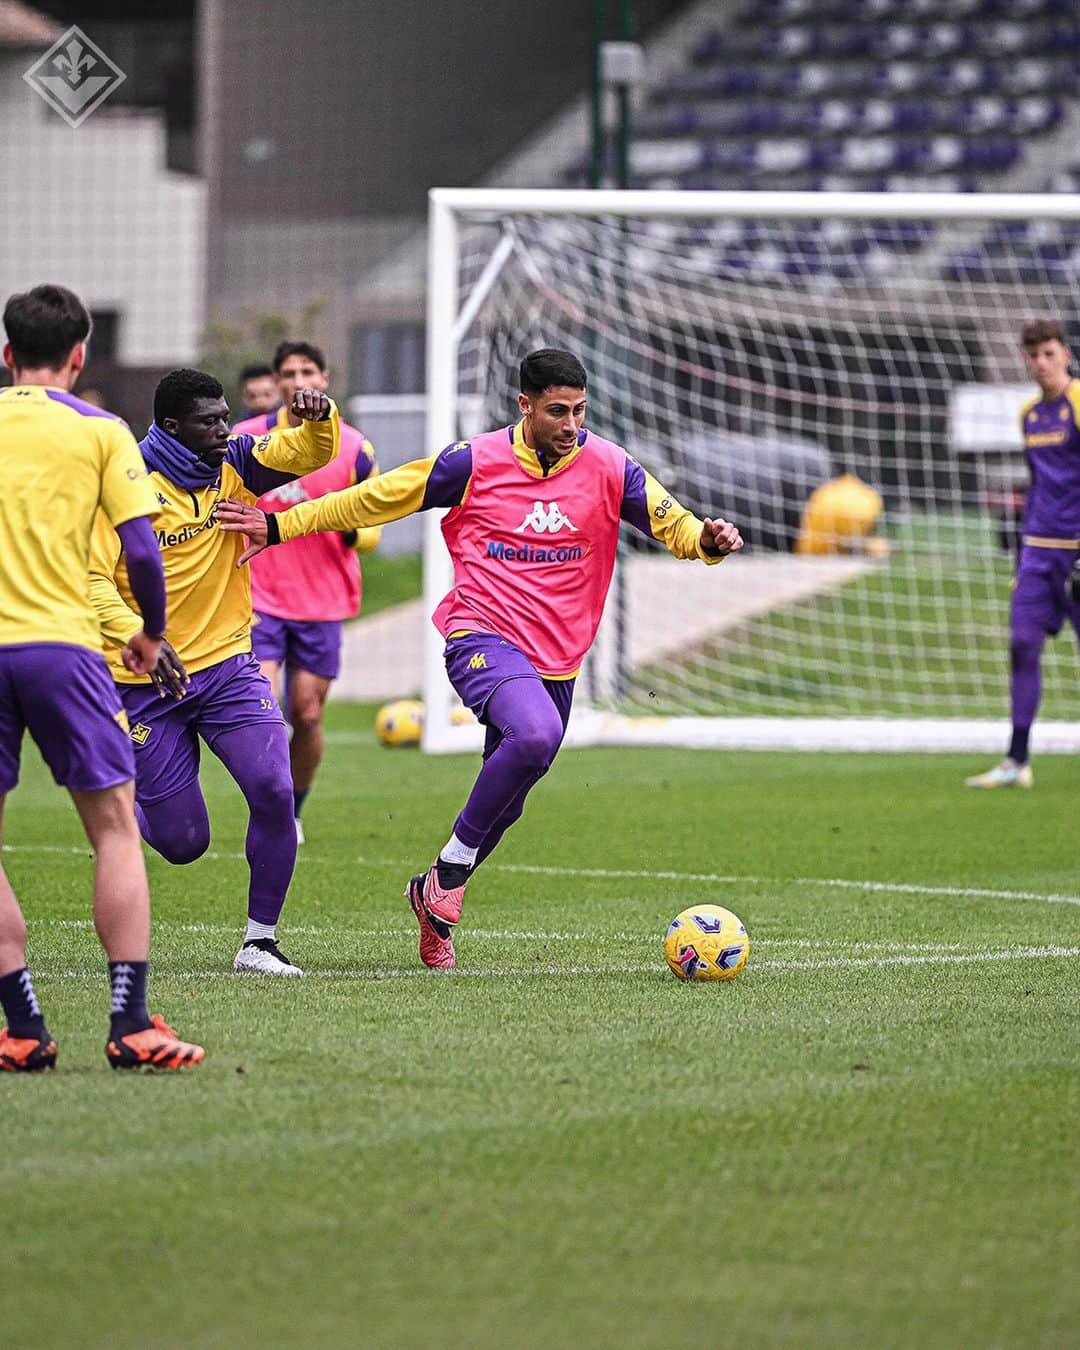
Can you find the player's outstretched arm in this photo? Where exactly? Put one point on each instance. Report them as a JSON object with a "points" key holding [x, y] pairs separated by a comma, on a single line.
{"points": [[266, 462], [377, 501], [652, 509]]}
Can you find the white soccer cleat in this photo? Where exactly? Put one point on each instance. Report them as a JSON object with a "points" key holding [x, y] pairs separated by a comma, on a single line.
{"points": [[299, 831], [1007, 774], [262, 956]]}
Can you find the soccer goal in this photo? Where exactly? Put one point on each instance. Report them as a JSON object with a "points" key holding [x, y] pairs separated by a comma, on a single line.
{"points": [[839, 374]]}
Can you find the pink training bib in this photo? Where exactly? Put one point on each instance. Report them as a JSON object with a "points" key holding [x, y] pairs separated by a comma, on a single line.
{"points": [[315, 577], [533, 557]]}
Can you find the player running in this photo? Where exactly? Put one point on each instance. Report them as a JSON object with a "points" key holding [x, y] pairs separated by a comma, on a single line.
{"points": [[532, 531], [1043, 595], [303, 591], [193, 462], [60, 460]]}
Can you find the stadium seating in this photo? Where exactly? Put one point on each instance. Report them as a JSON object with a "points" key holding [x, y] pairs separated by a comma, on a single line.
{"points": [[876, 95]]}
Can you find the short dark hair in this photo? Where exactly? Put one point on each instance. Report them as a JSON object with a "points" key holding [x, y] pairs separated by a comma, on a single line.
{"points": [[177, 393], [1037, 331], [256, 373], [551, 366], [295, 348], [43, 325]]}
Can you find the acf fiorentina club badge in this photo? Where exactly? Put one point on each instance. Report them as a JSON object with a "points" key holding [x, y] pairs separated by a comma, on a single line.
{"points": [[74, 76]]}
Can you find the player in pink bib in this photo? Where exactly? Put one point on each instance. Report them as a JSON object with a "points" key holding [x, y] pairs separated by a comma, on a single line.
{"points": [[532, 531], [302, 594]]}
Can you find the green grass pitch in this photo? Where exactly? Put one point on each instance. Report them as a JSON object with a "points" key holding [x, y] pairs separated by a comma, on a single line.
{"points": [[868, 1139]]}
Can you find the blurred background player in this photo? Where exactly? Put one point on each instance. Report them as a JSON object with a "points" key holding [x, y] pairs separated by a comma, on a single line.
{"points": [[193, 461], [1050, 538], [259, 390], [61, 460], [303, 592], [532, 532]]}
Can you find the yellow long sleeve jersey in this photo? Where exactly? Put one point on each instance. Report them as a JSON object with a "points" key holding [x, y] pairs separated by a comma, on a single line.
{"points": [[209, 598], [443, 480], [63, 463]]}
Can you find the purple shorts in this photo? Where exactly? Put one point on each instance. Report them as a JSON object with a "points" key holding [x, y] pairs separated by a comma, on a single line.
{"points": [[477, 663], [312, 645], [165, 731], [65, 697], [1039, 602]]}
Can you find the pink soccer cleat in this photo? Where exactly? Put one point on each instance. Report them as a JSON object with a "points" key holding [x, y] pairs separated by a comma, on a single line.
{"points": [[436, 938], [444, 890]]}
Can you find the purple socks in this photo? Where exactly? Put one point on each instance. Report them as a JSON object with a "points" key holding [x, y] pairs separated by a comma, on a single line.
{"points": [[526, 720], [1025, 653]]}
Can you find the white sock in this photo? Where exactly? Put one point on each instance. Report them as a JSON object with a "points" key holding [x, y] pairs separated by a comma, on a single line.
{"points": [[259, 930], [454, 851]]}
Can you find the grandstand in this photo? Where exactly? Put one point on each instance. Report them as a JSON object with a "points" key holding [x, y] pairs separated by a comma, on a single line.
{"points": [[956, 96]]}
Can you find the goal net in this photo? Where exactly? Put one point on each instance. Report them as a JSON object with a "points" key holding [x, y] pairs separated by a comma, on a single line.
{"points": [[839, 374]]}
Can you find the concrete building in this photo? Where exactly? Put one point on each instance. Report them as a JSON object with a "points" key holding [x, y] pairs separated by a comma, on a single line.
{"points": [[95, 207]]}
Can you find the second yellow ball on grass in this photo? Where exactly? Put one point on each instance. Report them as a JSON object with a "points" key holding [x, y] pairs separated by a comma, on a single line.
{"points": [[400, 723]]}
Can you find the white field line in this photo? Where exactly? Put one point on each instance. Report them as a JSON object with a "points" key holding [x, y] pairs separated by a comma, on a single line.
{"points": [[605, 874], [495, 972], [528, 935]]}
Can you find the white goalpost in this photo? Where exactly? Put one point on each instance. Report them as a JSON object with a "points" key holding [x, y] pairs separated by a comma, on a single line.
{"points": [[839, 374]]}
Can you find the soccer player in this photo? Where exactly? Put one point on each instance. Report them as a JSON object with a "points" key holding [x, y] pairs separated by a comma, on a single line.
{"points": [[259, 390], [303, 591], [1050, 538], [532, 533], [193, 462], [61, 459]]}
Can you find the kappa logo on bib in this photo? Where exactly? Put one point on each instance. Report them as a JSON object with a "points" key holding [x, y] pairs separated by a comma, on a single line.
{"points": [[546, 520]]}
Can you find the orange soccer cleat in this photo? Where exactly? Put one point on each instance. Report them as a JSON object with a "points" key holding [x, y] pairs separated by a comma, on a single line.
{"points": [[436, 937], [158, 1047], [30, 1054]]}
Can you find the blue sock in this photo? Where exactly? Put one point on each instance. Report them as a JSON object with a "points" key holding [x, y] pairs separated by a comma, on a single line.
{"points": [[17, 998]]}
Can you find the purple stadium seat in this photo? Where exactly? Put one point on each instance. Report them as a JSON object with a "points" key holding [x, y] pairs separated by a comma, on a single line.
{"points": [[890, 95]]}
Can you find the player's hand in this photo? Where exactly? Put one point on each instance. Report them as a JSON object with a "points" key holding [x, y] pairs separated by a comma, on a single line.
{"points": [[310, 405], [142, 653], [169, 676], [240, 518], [719, 538], [1072, 586]]}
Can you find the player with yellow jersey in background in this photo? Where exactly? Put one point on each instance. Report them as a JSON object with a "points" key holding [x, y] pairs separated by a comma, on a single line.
{"points": [[61, 462], [194, 463]]}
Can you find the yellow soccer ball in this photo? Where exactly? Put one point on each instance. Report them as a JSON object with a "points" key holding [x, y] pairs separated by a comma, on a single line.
{"points": [[400, 723], [706, 942]]}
